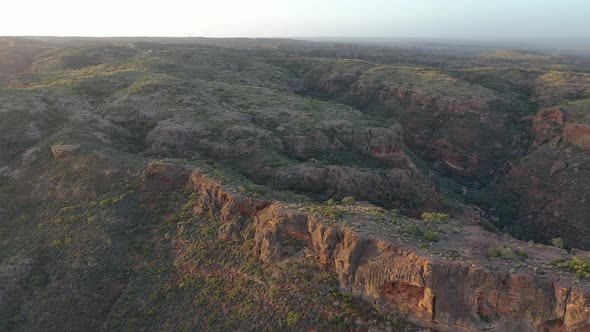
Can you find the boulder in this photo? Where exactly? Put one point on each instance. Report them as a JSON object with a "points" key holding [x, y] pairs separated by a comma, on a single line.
{"points": [[61, 151], [577, 134], [558, 166]]}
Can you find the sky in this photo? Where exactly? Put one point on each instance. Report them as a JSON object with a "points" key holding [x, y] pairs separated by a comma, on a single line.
{"points": [[461, 19]]}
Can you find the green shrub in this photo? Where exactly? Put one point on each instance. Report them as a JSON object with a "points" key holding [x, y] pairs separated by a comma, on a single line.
{"points": [[580, 266], [66, 219], [329, 211], [435, 216], [414, 230], [330, 202], [557, 243], [23, 218], [112, 201], [431, 236], [293, 318], [521, 254], [349, 200], [67, 209], [500, 252], [55, 243], [506, 253], [105, 203]]}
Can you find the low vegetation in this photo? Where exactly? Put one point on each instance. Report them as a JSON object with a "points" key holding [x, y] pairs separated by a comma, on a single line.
{"points": [[557, 243], [577, 265], [329, 209], [435, 216], [506, 253]]}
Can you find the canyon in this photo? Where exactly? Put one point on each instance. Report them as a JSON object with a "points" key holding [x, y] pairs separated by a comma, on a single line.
{"points": [[219, 184]]}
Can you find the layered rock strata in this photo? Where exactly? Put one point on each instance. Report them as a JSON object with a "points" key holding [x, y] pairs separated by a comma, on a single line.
{"points": [[443, 294]]}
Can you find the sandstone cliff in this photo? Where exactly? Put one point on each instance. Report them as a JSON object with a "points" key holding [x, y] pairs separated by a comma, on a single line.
{"points": [[370, 260], [401, 188], [548, 188], [416, 98], [467, 128], [577, 134]]}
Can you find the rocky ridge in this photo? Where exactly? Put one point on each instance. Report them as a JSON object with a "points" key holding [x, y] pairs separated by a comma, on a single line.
{"points": [[444, 294]]}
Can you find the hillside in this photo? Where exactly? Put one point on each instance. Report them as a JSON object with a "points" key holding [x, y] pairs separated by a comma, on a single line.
{"points": [[267, 184]]}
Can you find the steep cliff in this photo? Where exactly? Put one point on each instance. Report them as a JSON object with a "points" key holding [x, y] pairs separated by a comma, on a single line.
{"points": [[467, 129], [547, 190], [401, 188], [375, 260]]}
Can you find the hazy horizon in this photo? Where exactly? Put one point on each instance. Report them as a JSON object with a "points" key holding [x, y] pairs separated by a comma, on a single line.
{"points": [[421, 19]]}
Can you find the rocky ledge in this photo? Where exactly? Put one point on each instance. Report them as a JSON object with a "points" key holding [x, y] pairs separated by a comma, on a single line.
{"points": [[577, 134], [468, 279]]}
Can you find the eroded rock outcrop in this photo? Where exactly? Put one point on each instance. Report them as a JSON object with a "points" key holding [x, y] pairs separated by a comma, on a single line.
{"points": [[61, 151], [471, 134], [577, 134], [175, 137], [398, 187], [385, 144], [416, 98], [169, 136], [547, 190], [444, 294], [306, 146], [547, 125], [382, 143], [229, 207]]}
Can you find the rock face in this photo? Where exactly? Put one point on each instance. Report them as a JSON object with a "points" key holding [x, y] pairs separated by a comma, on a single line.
{"points": [[306, 146], [354, 84], [179, 137], [237, 141], [385, 144], [161, 177], [550, 191], [401, 187], [446, 295], [547, 124], [229, 207], [168, 136], [62, 151], [544, 185], [378, 142], [549, 185], [577, 134], [465, 134], [471, 145], [558, 166], [416, 98]]}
